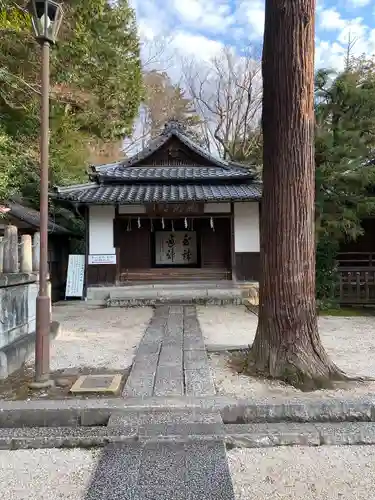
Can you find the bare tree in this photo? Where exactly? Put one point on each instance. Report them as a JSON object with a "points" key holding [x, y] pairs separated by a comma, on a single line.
{"points": [[164, 100], [349, 57], [227, 94], [156, 54]]}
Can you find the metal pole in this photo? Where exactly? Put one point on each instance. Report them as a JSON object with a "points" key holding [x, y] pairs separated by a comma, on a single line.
{"points": [[43, 300]]}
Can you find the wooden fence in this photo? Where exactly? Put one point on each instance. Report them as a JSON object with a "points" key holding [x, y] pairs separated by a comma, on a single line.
{"points": [[356, 286]]}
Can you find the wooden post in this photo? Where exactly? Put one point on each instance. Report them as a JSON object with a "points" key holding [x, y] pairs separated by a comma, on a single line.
{"points": [[36, 251], [26, 254], [10, 249]]}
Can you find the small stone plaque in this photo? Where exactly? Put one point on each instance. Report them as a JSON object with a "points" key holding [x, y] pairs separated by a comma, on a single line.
{"points": [[105, 384]]}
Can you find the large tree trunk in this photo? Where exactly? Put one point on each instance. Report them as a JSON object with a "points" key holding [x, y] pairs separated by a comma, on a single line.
{"points": [[287, 344]]}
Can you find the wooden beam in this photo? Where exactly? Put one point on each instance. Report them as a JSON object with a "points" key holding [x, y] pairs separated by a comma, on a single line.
{"points": [[232, 244]]}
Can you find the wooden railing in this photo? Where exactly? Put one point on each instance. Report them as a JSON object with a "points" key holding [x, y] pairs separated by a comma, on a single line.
{"points": [[356, 259], [356, 285]]}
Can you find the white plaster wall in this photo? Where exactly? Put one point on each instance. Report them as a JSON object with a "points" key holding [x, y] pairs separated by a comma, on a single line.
{"points": [[101, 230], [246, 227], [131, 209], [215, 208]]}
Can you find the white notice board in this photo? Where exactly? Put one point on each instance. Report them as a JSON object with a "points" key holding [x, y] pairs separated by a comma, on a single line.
{"points": [[75, 277]]}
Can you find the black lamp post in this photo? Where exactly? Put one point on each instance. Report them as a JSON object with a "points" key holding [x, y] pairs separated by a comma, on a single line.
{"points": [[46, 18]]}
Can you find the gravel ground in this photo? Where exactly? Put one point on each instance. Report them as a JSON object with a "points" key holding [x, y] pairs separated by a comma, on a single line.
{"points": [[99, 338], [227, 325], [349, 341], [48, 474], [295, 473]]}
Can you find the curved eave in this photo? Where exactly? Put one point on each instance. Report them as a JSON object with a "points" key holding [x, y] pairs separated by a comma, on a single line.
{"points": [[160, 193]]}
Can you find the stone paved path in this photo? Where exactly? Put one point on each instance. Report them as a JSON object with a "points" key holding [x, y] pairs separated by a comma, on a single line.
{"points": [[170, 462], [171, 359]]}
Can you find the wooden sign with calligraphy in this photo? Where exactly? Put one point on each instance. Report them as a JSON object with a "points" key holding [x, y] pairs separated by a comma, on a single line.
{"points": [[170, 209]]}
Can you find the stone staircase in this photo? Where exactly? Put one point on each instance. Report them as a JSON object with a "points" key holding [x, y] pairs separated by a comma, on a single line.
{"points": [[213, 293]]}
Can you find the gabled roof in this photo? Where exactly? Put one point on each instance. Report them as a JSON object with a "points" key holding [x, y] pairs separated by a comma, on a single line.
{"points": [[32, 217], [165, 181], [171, 129]]}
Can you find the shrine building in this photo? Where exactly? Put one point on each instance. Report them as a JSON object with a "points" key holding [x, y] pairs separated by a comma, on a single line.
{"points": [[172, 212]]}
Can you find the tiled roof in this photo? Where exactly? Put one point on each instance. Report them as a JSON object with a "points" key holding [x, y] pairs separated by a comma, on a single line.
{"points": [[32, 217], [117, 172], [153, 193], [171, 129]]}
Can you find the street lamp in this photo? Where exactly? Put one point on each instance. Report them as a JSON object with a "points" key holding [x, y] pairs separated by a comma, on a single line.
{"points": [[46, 16]]}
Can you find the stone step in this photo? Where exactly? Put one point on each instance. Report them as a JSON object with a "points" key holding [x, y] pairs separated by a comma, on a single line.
{"points": [[129, 297], [234, 435], [180, 284], [178, 293], [154, 416], [214, 301]]}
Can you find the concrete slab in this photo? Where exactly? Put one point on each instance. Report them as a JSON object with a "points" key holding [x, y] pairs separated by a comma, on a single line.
{"points": [[171, 355], [207, 472], [162, 473], [195, 359], [140, 383], [169, 381], [116, 475], [193, 344], [199, 382]]}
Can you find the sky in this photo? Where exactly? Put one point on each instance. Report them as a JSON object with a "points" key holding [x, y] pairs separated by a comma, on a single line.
{"points": [[200, 28]]}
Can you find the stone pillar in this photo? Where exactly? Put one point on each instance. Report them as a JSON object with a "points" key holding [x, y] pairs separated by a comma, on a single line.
{"points": [[36, 251], [10, 250], [1, 254], [26, 254]]}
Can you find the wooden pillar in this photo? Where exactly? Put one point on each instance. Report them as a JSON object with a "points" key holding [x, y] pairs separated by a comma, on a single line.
{"points": [[232, 244], [116, 243], [11, 249], [87, 249]]}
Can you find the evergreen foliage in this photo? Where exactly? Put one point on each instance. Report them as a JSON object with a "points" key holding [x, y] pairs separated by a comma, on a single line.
{"points": [[96, 89]]}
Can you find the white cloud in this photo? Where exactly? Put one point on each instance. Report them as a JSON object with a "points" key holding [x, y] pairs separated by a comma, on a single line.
{"points": [[329, 55], [250, 15], [213, 16], [198, 46], [330, 19], [200, 28]]}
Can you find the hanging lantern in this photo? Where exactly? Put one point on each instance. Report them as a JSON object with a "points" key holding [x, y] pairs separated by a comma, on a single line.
{"points": [[186, 223], [192, 224], [162, 223], [212, 224], [129, 226], [172, 225], [152, 225], [139, 223]]}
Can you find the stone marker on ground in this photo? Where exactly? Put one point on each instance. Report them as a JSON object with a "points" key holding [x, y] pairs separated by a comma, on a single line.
{"points": [[104, 384]]}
